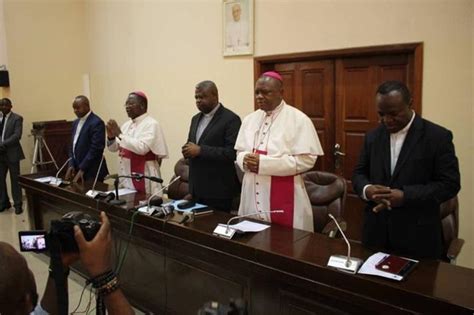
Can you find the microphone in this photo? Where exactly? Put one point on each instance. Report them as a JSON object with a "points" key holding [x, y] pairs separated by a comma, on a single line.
{"points": [[93, 193], [139, 176], [58, 181], [136, 176], [344, 263], [159, 191], [150, 210]]}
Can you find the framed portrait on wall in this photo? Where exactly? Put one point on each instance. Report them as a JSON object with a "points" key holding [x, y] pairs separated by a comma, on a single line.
{"points": [[237, 27]]}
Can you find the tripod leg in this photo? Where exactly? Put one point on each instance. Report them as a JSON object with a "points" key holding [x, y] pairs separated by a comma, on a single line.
{"points": [[35, 156], [49, 152]]}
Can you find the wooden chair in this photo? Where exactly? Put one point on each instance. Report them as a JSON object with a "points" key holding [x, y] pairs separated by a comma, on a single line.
{"points": [[327, 194], [449, 211]]}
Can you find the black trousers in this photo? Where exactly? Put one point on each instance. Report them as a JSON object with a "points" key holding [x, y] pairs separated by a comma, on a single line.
{"points": [[14, 169]]}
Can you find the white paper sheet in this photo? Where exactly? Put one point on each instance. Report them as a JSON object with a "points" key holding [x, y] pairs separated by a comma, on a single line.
{"points": [[45, 180], [123, 191], [250, 226]]}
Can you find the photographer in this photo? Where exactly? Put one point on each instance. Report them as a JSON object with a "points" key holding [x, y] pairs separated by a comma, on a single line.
{"points": [[18, 288]]}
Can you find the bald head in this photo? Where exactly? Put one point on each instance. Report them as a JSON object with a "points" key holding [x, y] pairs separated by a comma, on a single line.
{"points": [[17, 284], [236, 12]]}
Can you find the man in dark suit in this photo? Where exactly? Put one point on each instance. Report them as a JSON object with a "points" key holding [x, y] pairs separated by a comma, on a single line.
{"points": [[210, 150], [88, 143], [407, 168], [11, 128]]}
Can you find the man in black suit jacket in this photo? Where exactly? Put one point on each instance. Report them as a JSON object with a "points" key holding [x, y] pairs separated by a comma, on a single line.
{"points": [[210, 150], [11, 128], [88, 143], [407, 168]]}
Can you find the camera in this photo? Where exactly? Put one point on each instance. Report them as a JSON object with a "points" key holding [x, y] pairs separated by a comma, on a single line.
{"points": [[61, 230], [235, 307]]}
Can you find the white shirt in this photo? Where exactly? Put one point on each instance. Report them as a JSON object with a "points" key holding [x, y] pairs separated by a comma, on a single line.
{"points": [[396, 143], [39, 310], [204, 122], [81, 122]]}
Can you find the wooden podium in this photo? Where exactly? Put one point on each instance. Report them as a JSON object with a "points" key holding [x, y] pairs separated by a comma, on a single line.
{"points": [[175, 268]]}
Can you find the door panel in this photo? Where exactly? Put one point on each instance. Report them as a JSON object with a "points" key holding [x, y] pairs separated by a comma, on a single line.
{"points": [[309, 86], [357, 80], [288, 72]]}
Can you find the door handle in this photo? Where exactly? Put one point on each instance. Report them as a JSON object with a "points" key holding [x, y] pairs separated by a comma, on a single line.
{"points": [[337, 150], [338, 154]]}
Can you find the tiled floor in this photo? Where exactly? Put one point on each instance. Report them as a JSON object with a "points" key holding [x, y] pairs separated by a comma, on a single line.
{"points": [[10, 224]]}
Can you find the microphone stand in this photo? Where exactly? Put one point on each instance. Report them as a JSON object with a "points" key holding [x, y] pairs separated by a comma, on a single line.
{"points": [[151, 209], [93, 193], [135, 176], [117, 201], [159, 191], [58, 181], [344, 263]]}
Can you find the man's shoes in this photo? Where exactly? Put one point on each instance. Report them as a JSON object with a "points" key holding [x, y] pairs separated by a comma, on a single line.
{"points": [[18, 210]]}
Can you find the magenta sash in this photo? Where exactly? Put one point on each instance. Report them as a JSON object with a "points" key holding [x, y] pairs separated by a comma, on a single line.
{"points": [[137, 165], [282, 197]]}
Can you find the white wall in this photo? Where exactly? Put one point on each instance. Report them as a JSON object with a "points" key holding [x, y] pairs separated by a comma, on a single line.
{"points": [[46, 55], [3, 40]]}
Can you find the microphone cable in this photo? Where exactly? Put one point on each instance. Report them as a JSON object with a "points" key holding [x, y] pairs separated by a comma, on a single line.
{"points": [[124, 254]]}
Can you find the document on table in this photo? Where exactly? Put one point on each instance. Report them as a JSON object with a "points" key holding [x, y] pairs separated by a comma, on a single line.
{"points": [[123, 191], [249, 226], [45, 180], [370, 267]]}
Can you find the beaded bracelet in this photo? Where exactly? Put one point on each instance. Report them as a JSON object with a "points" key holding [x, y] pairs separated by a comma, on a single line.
{"points": [[109, 287], [102, 279], [105, 283]]}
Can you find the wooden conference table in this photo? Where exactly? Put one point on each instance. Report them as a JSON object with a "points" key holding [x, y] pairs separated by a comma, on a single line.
{"points": [[176, 268]]}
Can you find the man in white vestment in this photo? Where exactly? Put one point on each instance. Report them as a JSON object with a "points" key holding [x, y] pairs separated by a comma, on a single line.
{"points": [[275, 145], [140, 142], [237, 31]]}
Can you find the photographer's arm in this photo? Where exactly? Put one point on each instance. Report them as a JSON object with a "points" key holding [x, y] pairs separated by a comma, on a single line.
{"points": [[95, 256], [49, 301]]}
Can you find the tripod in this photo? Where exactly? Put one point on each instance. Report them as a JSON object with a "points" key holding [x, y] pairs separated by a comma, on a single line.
{"points": [[38, 159]]}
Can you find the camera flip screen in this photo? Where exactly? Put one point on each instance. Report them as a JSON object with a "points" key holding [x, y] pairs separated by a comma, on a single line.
{"points": [[32, 241]]}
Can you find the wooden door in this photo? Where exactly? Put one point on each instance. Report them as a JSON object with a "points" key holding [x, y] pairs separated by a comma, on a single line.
{"points": [[309, 86], [336, 89], [357, 80]]}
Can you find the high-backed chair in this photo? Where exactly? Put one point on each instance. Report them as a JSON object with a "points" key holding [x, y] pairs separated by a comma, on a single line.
{"points": [[327, 194], [180, 188], [449, 211]]}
